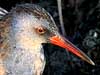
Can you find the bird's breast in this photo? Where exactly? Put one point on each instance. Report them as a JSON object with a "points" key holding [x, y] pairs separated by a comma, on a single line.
{"points": [[24, 62]]}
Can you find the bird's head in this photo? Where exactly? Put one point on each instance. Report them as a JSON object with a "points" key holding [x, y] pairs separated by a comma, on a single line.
{"points": [[37, 26]]}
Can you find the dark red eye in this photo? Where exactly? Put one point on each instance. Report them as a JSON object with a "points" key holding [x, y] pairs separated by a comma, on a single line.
{"points": [[40, 30]]}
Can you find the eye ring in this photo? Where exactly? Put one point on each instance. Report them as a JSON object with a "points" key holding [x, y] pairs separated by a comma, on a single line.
{"points": [[40, 30]]}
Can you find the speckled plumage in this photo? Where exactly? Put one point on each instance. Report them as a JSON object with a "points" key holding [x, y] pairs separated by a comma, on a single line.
{"points": [[21, 51]]}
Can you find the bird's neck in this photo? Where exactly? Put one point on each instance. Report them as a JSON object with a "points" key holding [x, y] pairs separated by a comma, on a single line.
{"points": [[25, 49]]}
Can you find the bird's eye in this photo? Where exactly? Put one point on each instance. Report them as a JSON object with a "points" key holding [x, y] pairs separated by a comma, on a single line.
{"points": [[40, 30]]}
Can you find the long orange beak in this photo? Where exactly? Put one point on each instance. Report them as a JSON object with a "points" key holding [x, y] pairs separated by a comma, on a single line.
{"points": [[64, 43]]}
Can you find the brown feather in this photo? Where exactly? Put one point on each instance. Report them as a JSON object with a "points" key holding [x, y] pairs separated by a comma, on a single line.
{"points": [[4, 32]]}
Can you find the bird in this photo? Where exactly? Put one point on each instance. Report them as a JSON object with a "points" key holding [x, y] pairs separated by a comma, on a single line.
{"points": [[22, 32]]}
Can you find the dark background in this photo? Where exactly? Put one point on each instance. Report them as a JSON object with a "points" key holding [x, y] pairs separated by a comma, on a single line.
{"points": [[82, 26]]}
